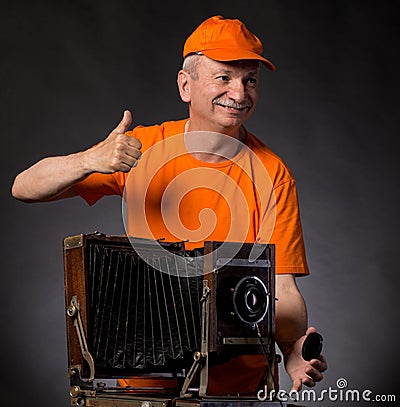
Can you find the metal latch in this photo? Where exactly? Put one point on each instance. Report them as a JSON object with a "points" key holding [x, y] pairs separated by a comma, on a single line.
{"points": [[200, 358], [74, 312]]}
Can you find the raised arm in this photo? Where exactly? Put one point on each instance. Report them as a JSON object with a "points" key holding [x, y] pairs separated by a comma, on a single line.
{"points": [[54, 178]]}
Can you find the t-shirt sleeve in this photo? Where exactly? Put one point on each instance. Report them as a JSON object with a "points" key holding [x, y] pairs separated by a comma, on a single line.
{"points": [[287, 235], [97, 185]]}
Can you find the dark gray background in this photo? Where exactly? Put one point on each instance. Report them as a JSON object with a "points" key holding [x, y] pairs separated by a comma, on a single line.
{"points": [[69, 68]]}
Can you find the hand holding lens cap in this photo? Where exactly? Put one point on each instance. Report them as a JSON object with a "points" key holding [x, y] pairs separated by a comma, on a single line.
{"points": [[312, 346]]}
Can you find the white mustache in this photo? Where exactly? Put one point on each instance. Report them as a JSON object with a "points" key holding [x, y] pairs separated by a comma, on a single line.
{"points": [[232, 103]]}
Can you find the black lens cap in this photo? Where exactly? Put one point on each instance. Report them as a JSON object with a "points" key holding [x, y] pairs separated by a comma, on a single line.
{"points": [[312, 346]]}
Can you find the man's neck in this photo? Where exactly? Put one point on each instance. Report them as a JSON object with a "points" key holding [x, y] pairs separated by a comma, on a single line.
{"points": [[235, 132], [212, 146]]}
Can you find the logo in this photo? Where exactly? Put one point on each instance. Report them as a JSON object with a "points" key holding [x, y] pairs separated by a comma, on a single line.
{"points": [[341, 393]]}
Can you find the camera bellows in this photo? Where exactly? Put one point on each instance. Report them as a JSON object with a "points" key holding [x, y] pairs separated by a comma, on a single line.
{"points": [[140, 317]]}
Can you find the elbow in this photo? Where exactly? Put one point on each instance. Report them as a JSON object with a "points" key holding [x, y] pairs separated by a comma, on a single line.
{"points": [[18, 192], [15, 190]]}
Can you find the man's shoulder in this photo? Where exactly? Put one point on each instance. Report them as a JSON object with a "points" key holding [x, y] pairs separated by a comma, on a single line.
{"points": [[165, 129], [274, 163], [259, 147], [152, 134]]}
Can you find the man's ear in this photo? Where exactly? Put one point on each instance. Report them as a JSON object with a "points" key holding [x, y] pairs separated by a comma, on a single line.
{"points": [[184, 85]]}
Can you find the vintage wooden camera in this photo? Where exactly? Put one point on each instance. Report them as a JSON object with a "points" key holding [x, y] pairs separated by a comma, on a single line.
{"points": [[155, 309]]}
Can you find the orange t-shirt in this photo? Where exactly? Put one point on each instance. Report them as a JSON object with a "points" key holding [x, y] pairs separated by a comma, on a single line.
{"points": [[171, 195], [248, 197]]}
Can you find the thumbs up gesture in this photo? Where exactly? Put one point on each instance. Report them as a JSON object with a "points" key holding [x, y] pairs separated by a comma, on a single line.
{"points": [[118, 152]]}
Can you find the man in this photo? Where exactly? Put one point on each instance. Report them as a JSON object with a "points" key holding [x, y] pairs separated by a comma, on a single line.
{"points": [[219, 82]]}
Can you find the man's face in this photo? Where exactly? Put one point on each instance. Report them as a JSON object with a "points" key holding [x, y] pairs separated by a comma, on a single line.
{"points": [[224, 95]]}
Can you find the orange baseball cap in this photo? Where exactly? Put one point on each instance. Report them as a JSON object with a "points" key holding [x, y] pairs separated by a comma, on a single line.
{"points": [[225, 40]]}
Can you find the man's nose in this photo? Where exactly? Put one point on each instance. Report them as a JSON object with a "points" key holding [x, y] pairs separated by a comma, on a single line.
{"points": [[237, 90]]}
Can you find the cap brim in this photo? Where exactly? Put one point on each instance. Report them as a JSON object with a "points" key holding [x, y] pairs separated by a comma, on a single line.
{"points": [[225, 55]]}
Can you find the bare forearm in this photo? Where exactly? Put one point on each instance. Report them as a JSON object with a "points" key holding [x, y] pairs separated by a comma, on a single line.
{"points": [[50, 178], [291, 313], [54, 177], [291, 331]]}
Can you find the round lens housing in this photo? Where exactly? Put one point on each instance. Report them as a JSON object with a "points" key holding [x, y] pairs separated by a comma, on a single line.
{"points": [[250, 300]]}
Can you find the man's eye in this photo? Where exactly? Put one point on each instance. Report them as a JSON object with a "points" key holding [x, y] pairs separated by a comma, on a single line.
{"points": [[252, 81], [223, 78]]}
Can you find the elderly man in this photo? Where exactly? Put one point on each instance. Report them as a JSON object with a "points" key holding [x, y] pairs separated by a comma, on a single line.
{"points": [[219, 82]]}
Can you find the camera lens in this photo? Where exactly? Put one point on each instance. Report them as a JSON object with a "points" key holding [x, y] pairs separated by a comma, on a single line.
{"points": [[253, 300], [250, 300]]}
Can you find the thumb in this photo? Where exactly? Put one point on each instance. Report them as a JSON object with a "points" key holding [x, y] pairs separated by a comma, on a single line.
{"points": [[125, 123], [310, 330]]}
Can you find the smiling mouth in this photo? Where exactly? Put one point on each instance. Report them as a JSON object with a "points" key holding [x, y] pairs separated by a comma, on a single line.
{"points": [[234, 106]]}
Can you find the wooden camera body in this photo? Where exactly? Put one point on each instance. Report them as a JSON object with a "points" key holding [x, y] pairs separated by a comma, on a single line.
{"points": [[153, 308]]}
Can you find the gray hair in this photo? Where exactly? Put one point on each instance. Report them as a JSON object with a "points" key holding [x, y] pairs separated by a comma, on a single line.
{"points": [[190, 65]]}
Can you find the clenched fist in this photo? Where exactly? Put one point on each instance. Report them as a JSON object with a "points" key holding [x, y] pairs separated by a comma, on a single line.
{"points": [[118, 152]]}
